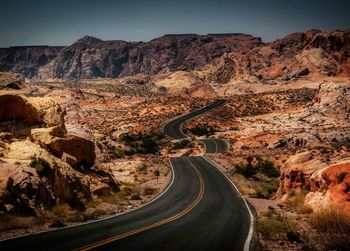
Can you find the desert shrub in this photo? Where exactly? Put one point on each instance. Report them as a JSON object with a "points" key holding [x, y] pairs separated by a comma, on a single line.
{"points": [[296, 202], [11, 222], [333, 228], [265, 167], [41, 166], [268, 168], [293, 236], [274, 227], [141, 144], [266, 190], [250, 159], [180, 144], [149, 191], [117, 153], [341, 177], [245, 147], [126, 191], [247, 170], [201, 131], [156, 173], [57, 223], [142, 168], [135, 196]]}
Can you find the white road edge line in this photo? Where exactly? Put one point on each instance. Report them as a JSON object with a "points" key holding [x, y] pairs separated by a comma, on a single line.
{"points": [[182, 115], [251, 227], [107, 218]]}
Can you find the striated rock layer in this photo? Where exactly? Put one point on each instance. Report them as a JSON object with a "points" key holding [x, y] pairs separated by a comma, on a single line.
{"points": [[90, 57]]}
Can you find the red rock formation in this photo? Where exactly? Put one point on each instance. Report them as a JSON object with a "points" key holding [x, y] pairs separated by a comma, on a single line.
{"points": [[91, 57], [313, 53], [330, 187]]}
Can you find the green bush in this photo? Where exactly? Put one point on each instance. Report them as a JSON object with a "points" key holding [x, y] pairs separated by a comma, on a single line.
{"points": [[201, 131], [247, 170], [265, 167], [268, 168], [180, 144], [142, 168], [117, 153], [141, 144], [135, 196], [42, 167], [273, 228]]}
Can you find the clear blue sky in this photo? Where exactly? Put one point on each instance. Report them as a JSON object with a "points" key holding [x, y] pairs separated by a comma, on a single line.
{"points": [[61, 22]]}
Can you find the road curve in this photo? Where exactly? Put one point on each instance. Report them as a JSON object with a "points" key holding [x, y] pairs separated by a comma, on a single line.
{"points": [[200, 210], [173, 128]]}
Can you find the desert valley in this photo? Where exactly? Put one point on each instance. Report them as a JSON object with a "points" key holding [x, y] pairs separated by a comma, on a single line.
{"points": [[81, 130]]}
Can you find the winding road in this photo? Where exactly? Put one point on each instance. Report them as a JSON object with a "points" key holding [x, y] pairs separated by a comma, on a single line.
{"points": [[200, 210]]}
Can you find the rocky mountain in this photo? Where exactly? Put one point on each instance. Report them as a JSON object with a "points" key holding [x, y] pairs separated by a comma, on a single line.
{"points": [[235, 57], [313, 53], [90, 57], [27, 60]]}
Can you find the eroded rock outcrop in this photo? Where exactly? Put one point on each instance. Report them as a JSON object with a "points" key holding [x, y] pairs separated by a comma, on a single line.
{"points": [[328, 185], [44, 165], [333, 100], [312, 54], [297, 170], [19, 114], [29, 187]]}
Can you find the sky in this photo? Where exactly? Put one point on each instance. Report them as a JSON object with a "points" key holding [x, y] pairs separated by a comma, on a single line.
{"points": [[61, 22]]}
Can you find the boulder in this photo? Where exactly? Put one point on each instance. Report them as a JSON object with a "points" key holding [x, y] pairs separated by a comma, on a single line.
{"points": [[299, 73], [18, 108], [330, 187], [45, 136], [50, 112], [75, 150], [71, 160], [19, 114], [22, 191], [297, 170], [101, 189], [60, 183], [329, 184], [83, 150]]}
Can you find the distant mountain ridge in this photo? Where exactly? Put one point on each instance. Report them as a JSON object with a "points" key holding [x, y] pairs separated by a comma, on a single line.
{"points": [[90, 57]]}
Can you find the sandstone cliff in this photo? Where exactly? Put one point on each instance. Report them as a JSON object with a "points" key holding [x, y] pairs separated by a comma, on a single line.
{"points": [[41, 162], [312, 53], [90, 57]]}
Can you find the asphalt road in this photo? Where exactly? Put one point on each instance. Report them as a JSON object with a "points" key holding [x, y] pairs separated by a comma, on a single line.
{"points": [[173, 128], [200, 210], [215, 145]]}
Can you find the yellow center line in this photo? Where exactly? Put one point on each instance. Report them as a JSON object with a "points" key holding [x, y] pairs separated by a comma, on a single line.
{"points": [[156, 224]]}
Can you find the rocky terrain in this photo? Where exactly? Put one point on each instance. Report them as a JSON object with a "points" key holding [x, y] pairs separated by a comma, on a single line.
{"points": [[303, 133], [80, 129], [91, 57]]}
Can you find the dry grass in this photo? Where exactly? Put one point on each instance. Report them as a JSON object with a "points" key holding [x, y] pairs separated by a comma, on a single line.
{"points": [[333, 227], [274, 227], [296, 202], [10, 222]]}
